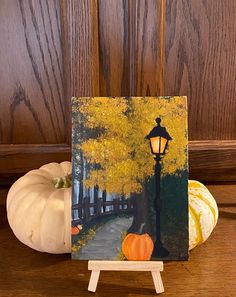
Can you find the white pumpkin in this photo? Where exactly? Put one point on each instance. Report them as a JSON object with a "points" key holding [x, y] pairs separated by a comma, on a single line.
{"points": [[39, 208], [203, 213]]}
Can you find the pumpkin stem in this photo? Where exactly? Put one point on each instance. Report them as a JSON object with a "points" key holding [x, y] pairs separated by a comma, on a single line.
{"points": [[62, 181]]}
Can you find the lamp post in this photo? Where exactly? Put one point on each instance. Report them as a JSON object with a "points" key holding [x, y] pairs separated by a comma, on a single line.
{"points": [[159, 139]]}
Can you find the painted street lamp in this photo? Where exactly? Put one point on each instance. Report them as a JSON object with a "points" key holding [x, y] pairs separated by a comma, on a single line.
{"points": [[159, 139]]}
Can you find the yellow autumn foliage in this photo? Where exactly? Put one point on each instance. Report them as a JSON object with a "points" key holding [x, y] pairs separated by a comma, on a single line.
{"points": [[121, 150]]}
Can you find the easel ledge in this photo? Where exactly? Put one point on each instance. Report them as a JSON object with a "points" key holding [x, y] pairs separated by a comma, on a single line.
{"points": [[155, 267]]}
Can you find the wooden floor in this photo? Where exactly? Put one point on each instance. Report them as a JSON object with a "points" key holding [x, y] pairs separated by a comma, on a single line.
{"points": [[210, 272]]}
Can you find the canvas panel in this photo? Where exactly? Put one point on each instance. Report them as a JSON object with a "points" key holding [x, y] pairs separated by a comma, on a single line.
{"points": [[130, 178]]}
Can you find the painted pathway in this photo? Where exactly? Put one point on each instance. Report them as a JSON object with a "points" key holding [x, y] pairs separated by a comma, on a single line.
{"points": [[106, 243]]}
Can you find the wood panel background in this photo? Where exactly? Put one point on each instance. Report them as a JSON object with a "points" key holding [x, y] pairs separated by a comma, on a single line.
{"points": [[51, 50]]}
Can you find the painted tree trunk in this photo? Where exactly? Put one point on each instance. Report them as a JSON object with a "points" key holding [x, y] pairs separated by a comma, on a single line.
{"points": [[141, 221]]}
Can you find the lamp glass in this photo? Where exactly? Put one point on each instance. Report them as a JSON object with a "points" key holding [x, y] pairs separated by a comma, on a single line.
{"points": [[163, 145], [158, 144]]}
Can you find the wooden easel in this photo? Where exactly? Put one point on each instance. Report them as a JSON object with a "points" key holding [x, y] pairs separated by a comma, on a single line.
{"points": [[153, 266]]}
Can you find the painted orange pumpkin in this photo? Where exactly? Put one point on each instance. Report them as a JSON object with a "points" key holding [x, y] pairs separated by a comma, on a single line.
{"points": [[137, 247], [75, 230]]}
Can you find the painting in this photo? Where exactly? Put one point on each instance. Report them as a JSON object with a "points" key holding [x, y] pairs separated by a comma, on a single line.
{"points": [[130, 178]]}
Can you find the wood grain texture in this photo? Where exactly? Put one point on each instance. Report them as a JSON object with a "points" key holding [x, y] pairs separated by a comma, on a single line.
{"points": [[130, 35], [212, 160], [16, 160], [224, 194], [114, 48], [210, 271], [146, 47], [80, 47], [79, 39], [200, 62], [32, 97]]}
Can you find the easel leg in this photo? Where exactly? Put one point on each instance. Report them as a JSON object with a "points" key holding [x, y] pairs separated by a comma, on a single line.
{"points": [[156, 276], [93, 280]]}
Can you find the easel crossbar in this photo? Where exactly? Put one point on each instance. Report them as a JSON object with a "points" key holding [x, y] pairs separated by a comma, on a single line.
{"points": [[125, 265]]}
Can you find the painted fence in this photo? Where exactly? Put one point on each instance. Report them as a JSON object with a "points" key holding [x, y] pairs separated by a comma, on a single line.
{"points": [[91, 203]]}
